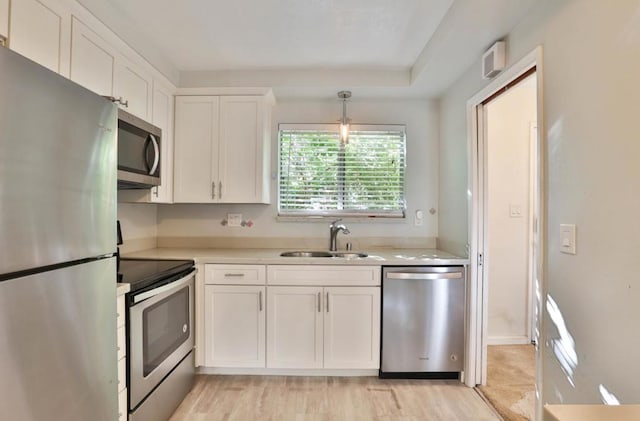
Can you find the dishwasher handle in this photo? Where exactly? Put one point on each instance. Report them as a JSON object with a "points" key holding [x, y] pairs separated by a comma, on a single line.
{"points": [[419, 276]]}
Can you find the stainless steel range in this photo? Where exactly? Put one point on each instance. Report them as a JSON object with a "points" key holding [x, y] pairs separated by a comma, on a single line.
{"points": [[160, 335]]}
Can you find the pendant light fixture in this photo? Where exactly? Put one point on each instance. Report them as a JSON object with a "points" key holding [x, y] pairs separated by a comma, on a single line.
{"points": [[344, 122]]}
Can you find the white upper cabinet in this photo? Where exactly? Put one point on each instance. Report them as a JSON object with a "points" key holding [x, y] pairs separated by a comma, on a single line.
{"points": [[98, 66], [135, 86], [162, 117], [233, 133], [41, 31], [242, 147], [4, 19], [93, 60], [196, 149]]}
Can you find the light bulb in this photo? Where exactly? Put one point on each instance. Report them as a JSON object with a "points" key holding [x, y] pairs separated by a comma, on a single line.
{"points": [[344, 132]]}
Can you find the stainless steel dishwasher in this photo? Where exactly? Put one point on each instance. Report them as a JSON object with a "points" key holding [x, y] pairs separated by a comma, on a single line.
{"points": [[423, 321]]}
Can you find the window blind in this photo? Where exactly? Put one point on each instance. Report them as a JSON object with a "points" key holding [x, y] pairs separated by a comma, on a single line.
{"points": [[321, 176]]}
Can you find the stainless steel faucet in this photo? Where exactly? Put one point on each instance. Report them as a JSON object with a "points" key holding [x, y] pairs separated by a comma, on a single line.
{"points": [[333, 234]]}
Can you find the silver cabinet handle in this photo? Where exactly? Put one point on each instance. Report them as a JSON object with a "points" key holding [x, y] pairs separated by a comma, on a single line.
{"points": [[233, 275], [260, 300], [213, 189], [220, 185], [319, 304], [155, 191], [327, 302], [156, 151]]}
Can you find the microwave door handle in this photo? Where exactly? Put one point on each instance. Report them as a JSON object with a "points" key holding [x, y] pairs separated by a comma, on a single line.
{"points": [[156, 150]]}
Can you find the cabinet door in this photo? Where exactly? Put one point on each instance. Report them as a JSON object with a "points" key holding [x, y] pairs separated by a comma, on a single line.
{"points": [[234, 326], [241, 148], [41, 30], [134, 85], [294, 327], [352, 327], [162, 116], [93, 60], [196, 150]]}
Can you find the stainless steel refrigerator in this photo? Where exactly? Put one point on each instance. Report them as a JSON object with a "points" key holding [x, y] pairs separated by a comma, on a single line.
{"points": [[57, 244]]}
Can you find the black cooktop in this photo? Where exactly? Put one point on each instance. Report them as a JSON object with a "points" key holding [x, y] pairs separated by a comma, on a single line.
{"points": [[143, 273]]}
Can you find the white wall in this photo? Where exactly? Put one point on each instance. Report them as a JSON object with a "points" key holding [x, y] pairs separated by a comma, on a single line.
{"points": [[591, 89], [508, 123], [421, 120], [139, 226]]}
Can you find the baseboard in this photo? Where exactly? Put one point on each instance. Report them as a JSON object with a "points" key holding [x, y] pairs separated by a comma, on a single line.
{"points": [[508, 340], [288, 372]]}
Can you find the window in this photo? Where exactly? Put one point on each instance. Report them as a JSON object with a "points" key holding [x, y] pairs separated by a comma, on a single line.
{"points": [[321, 176]]}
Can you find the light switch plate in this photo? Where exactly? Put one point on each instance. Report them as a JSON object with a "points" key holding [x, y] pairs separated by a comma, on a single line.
{"points": [[234, 219], [568, 238], [515, 211]]}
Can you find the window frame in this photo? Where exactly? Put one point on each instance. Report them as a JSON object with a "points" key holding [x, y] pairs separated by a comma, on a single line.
{"points": [[328, 214]]}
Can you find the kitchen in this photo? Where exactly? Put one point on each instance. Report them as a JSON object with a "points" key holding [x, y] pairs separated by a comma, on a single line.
{"points": [[436, 132]]}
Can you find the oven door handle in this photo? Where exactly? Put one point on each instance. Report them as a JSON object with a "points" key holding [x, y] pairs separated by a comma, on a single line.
{"points": [[164, 288]]}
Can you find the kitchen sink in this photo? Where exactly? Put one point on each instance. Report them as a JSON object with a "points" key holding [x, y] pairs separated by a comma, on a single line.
{"points": [[339, 254]]}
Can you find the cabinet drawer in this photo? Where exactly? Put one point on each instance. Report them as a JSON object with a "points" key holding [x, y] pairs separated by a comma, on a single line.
{"points": [[122, 374], [120, 309], [121, 343], [122, 405], [323, 275], [235, 274]]}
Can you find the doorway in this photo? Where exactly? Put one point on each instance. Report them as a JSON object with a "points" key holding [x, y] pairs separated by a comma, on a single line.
{"points": [[509, 142], [504, 219]]}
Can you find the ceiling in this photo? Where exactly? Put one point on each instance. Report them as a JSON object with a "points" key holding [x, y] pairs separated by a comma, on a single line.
{"points": [[407, 48]]}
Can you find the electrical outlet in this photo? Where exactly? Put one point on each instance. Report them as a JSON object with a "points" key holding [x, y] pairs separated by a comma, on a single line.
{"points": [[234, 219]]}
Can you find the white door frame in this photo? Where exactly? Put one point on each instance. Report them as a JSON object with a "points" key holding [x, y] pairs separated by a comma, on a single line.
{"points": [[476, 361]]}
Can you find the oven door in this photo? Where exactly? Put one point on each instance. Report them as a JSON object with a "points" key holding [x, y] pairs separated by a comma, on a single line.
{"points": [[160, 334]]}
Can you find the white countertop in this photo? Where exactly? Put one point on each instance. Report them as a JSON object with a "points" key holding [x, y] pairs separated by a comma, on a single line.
{"points": [[378, 257], [122, 289]]}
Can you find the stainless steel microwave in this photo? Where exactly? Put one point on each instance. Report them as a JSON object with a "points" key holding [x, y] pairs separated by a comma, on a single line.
{"points": [[138, 152]]}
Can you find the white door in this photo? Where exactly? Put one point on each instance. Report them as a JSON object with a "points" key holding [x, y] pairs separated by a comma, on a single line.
{"points": [[294, 327], [234, 326], [93, 60], [241, 149], [41, 30], [196, 149], [162, 117], [352, 327], [134, 85]]}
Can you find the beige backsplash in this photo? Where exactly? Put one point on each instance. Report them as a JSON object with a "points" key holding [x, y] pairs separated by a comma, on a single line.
{"points": [[362, 243]]}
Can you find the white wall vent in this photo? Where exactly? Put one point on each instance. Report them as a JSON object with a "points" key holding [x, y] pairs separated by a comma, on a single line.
{"points": [[493, 60]]}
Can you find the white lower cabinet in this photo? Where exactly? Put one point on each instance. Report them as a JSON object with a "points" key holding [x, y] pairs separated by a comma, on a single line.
{"points": [[121, 354], [234, 326], [313, 327], [352, 327], [311, 320], [294, 326]]}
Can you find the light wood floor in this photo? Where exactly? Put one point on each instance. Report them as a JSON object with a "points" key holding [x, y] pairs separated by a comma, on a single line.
{"points": [[275, 398]]}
